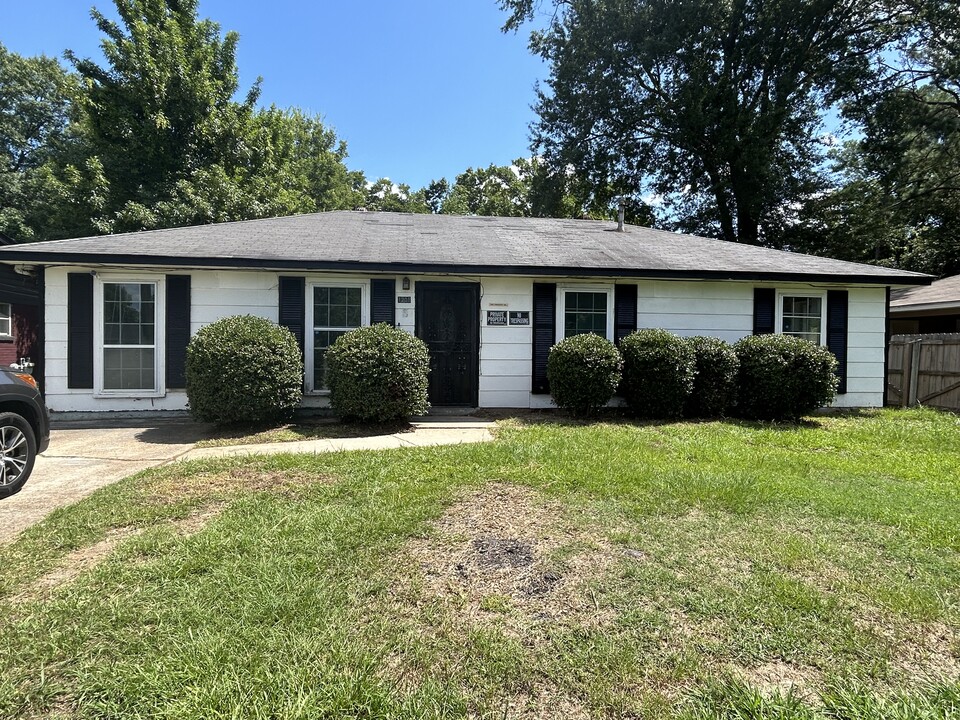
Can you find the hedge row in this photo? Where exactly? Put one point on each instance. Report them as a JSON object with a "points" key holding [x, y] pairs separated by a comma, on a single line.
{"points": [[661, 375]]}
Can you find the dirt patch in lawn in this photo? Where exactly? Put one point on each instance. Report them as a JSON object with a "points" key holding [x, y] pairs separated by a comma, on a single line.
{"points": [[217, 484], [778, 677], [502, 554], [84, 559], [925, 652]]}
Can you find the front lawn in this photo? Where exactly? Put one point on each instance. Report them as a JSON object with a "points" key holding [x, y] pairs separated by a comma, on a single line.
{"points": [[563, 571]]}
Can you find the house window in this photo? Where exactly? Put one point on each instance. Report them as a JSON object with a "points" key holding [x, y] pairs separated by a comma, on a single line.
{"points": [[803, 316], [127, 355], [6, 326], [333, 311], [586, 310]]}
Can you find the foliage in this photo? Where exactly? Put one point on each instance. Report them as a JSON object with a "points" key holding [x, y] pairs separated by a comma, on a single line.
{"points": [[157, 139], [378, 373], [584, 372], [243, 369], [715, 383], [384, 195], [783, 377], [36, 96], [712, 106], [658, 373]]}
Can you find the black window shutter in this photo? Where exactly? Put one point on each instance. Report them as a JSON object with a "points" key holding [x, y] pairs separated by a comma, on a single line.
{"points": [[177, 329], [79, 330], [293, 306], [764, 310], [625, 311], [837, 303], [544, 332], [382, 303]]}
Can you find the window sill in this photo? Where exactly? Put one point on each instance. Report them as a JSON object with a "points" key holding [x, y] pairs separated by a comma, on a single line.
{"points": [[128, 395]]}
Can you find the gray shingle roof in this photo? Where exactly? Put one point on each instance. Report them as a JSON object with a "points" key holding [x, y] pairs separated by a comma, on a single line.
{"points": [[941, 293], [448, 243]]}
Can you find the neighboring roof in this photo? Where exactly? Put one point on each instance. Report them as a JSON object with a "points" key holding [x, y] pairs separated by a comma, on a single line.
{"points": [[939, 294], [395, 242]]}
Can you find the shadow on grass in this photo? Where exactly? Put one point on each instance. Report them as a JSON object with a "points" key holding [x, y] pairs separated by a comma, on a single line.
{"points": [[302, 429], [622, 416]]}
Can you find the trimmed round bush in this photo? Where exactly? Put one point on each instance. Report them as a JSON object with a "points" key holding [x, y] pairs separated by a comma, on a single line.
{"points": [[715, 383], [658, 372], [243, 369], [783, 377], [378, 373], [584, 372]]}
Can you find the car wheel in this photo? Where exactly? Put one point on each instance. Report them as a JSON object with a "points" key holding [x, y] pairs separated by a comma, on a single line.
{"points": [[18, 452]]}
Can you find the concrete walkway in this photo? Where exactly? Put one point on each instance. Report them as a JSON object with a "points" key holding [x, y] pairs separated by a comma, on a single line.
{"points": [[423, 433], [86, 455]]}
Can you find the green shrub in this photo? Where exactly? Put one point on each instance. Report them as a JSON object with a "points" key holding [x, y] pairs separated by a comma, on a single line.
{"points": [[584, 372], [378, 373], [783, 377], [243, 369], [658, 371], [715, 383]]}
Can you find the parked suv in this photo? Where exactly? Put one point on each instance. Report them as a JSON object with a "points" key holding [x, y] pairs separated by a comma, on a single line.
{"points": [[24, 428]]}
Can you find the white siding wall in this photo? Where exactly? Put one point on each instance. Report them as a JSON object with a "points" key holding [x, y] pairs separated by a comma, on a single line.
{"points": [[866, 335], [721, 309], [506, 353]]}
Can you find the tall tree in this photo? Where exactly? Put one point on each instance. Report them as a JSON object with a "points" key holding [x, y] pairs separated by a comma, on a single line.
{"points": [[172, 144], [36, 95], [713, 106]]}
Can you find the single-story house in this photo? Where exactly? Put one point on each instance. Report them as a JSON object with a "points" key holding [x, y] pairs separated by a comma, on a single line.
{"points": [[20, 329], [488, 295], [931, 309]]}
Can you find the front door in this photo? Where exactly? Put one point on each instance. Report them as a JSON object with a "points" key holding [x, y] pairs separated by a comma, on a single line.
{"points": [[448, 321]]}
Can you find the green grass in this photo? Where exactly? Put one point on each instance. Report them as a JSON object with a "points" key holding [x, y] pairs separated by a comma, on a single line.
{"points": [[707, 570]]}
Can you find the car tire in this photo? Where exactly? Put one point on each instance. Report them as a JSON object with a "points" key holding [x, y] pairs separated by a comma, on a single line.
{"points": [[18, 452]]}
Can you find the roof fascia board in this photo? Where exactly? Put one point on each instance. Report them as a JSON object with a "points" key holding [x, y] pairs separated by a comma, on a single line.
{"points": [[54, 258], [920, 307]]}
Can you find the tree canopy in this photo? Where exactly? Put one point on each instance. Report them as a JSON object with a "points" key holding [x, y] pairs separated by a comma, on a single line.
{"points": [[713, 106]]}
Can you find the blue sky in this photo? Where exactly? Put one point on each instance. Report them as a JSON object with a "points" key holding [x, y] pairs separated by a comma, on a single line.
{"points": [[419, 89]]}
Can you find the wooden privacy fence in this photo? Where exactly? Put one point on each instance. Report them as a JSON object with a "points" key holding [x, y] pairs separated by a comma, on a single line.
{"points": [[924, 370]]}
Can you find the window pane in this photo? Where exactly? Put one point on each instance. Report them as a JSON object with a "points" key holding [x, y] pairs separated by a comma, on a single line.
{"points": [[128, 369], [801, 317], [337, 307], [338, 315], [585, 312]]}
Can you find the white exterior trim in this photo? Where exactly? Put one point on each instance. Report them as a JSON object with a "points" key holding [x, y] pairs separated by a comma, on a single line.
{"points": [[159, 336]]}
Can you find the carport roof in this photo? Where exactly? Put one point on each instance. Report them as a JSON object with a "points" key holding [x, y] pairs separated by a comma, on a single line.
{"points": [[406, 243]]}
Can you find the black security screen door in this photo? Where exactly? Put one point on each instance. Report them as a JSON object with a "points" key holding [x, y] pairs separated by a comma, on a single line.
{"points": [[448, 321]]}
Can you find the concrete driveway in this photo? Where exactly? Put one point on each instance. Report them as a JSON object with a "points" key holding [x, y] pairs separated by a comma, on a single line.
{"points": [[84, 456]]}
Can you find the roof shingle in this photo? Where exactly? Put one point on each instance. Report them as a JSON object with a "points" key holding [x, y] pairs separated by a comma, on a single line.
{"points": [[478, 245]]}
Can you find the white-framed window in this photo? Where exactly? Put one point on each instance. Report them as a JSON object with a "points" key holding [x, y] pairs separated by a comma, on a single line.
{"points": [[6, 320], [128, 336], [803, 315], [333, 308], [585, 309]]}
